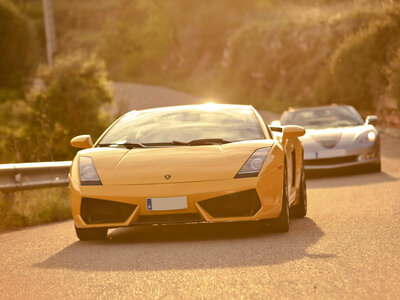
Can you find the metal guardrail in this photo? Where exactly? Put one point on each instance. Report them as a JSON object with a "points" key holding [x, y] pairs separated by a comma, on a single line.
{"points": [[25, 176]]}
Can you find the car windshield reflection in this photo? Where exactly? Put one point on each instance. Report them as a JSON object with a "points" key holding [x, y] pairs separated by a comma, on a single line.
{"points": [[184, 126], [323, 117]]}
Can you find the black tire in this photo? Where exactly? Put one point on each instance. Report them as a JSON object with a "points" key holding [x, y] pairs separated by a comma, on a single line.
{"points": [[281, 224], [300, 210], [374, 167], [91, 234]]}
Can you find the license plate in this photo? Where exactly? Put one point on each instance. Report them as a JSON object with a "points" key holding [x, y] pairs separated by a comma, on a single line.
{"points": [[310, 155], [170, 203], [331, 153]]}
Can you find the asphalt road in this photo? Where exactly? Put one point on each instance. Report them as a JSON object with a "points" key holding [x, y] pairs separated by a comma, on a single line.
{"points": [[346, 247], [129, 96]]}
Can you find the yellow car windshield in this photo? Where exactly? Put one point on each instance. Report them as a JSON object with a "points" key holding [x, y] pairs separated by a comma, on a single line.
{"points": [[185, 125]]}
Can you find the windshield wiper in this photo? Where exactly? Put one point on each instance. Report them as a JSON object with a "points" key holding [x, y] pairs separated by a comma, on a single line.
{"points": [[126, 145], [174, 143], [201, 142]]}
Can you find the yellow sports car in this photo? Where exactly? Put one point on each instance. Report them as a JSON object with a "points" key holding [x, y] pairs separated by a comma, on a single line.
{"points": [[187, 164]]}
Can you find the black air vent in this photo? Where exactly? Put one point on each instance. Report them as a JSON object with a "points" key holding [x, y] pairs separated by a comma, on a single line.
{"points": [[96, 211], [239, 204]]}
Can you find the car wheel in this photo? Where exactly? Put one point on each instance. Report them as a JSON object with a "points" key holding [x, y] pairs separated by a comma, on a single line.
{"points": [[91, 234], [375, 167], [300, 210], [281, 224]]}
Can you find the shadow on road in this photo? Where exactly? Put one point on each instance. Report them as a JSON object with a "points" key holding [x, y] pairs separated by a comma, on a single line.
{"points": [[190, 247], [351, 178]]}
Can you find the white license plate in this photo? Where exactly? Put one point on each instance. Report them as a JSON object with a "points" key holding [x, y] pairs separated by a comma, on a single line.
{"points": [[310, 155], [331, 153], [170, 203]]}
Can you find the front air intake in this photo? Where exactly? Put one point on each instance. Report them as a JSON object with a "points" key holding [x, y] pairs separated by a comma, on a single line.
{"points": [[96, 211], [239, 204]]}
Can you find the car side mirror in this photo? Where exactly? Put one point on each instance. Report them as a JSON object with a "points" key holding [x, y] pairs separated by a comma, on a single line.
{"points": [[82, 141], [371, 120], [292, 131]]}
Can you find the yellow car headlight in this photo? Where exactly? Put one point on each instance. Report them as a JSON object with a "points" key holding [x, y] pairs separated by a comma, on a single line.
{"points": [[254, 164], [87, 172]]}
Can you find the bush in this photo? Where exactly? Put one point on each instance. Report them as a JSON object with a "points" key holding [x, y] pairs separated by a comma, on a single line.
{"points": [[275, 62], [393, 78], [18, 48], [282, 60], [68, 104], [356, 67]]}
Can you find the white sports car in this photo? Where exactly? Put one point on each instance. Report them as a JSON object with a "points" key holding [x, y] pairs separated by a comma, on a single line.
{"points": [[336, 137]]}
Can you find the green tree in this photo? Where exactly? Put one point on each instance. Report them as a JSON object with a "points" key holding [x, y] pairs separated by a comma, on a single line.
{"points": [[356, 67], [67, 103]]}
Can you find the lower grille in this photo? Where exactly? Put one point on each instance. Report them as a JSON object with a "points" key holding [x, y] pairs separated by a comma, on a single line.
{"points": [[96, 211], [239, 204], [176, 218], [331, 161]]}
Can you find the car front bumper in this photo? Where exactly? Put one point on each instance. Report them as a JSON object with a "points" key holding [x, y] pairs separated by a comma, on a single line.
{"points": [[242, 199], [354, 156]]}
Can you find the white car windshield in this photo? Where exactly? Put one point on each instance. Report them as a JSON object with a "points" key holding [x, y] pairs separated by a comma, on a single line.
{"points": [[181, 126], [323, 117]]}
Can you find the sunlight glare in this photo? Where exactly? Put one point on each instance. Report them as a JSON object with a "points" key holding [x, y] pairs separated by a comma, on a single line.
{"points": [[210, 106]]}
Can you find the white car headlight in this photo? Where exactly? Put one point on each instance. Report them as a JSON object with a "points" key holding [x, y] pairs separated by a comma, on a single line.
{"points": [[371, 136], [254, 164], [87, 172], [365, 137]]}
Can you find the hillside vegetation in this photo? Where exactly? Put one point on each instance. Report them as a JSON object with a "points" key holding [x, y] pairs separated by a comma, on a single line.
{"points": [[269, 53]]}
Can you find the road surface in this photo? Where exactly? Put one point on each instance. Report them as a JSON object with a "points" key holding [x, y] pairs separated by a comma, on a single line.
{"points": [[129, 96]]}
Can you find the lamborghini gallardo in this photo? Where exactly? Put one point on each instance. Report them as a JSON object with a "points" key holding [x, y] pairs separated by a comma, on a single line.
{"points": [[187, 164]]}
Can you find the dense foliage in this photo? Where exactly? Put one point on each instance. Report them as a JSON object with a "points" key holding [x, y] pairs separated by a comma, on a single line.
{"points": [[393, 78], [357, 66], [266, 52], [66, 102]]}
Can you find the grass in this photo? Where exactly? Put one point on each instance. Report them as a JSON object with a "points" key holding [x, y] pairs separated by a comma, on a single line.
{"points": [[34, 207]]}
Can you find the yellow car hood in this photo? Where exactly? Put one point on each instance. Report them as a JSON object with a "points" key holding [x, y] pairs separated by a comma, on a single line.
{"points": [[180, 164]]}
